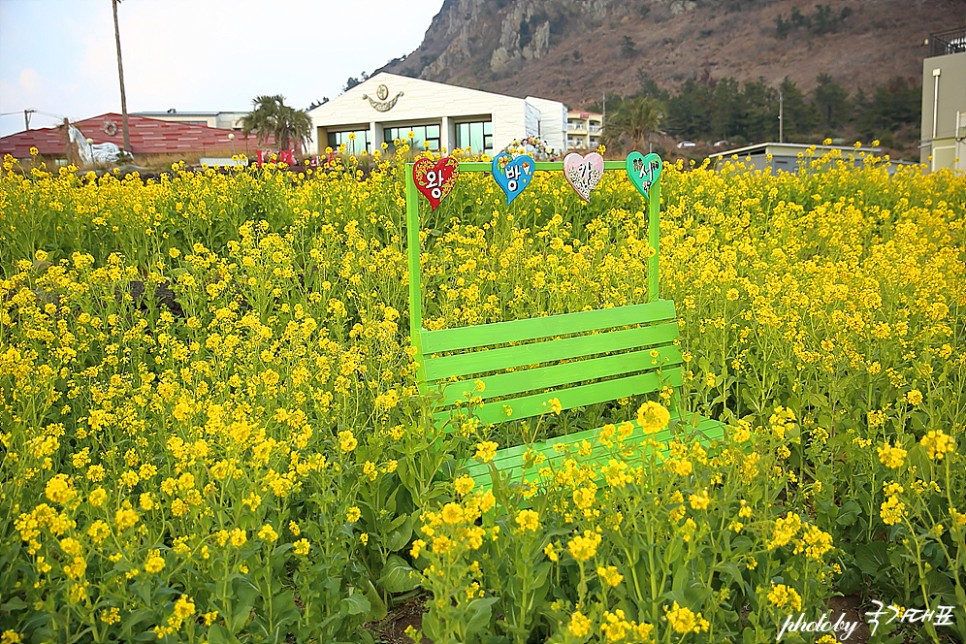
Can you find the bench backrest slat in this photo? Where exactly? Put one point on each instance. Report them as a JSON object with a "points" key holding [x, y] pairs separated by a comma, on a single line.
{"points": [[502, 385], [544, 327], [571, 397], [479, 362]]}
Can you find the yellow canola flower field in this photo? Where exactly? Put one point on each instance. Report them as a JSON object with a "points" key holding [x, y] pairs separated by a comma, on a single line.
{"points": [[210, 428]]}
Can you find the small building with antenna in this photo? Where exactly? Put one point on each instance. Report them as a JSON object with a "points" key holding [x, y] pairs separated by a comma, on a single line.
{"points": [[943, 135]]}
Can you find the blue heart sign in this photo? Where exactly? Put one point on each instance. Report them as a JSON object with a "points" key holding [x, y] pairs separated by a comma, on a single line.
{"points": [[513, 175]]}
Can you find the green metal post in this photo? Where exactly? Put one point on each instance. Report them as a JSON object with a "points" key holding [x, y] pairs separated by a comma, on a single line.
{"points": [[415, 277], [654, 239]]}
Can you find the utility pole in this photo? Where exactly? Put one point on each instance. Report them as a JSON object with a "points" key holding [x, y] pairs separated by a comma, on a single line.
{"points": [[781, 116], [26, 118], [120, 75], [603, 117]]}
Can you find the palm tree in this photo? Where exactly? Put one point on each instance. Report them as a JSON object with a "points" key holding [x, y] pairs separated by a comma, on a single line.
{"points": [[635, 120], [271, 117]]}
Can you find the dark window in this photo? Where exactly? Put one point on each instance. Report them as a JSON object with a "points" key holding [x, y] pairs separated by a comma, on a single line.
{"points": [[421, 134], [477, 136], [354, 144]]}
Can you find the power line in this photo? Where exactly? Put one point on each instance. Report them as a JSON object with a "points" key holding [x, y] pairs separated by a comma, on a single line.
{"points": [[20, 113]]}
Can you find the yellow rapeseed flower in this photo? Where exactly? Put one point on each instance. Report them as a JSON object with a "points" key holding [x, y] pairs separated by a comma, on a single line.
{"points": [[583, 547], [417, 548], [684, 620], [464, 485], [579, 625], [609, 575], [938, 444], [347, 441], [452, 513], [785, 528], [125, 518], [699, 500], [782, 596], [891, 510], [485, 451], [892, 457], [528, 520], [653, 417], [154, 563], [267, 533]]}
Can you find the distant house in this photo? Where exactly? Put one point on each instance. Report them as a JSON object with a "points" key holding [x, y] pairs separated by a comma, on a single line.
{"points": [[386, 108], [944, 101], [787, 157], [584, 129], [149, 136]]}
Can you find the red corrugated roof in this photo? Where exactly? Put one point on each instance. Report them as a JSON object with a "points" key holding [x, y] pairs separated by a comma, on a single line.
{"points": [[148, 136]]}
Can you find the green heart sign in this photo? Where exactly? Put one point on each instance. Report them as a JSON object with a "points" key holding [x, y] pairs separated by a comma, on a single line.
{"points": [[644, 171]]}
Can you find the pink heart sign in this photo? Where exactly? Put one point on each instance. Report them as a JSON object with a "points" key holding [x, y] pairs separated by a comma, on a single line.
{"points": [[435, 180], [583, 172]]}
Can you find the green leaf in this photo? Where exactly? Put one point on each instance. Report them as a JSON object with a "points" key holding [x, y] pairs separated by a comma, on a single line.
{"points": [[400, 535], [218, 634], [479, 612], [355, 604], [378, 608], [398, 576], [849, 513], [15, 603], [871, 558], [246, 595]]}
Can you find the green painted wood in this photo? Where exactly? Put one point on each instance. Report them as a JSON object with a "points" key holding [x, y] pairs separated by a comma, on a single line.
{"points": [[502, 385], [513, 456], [570, 397], [415, 280], [654, 241], [676, 427], [535, 353], [510, 462], [546, 166], [459, 339]]}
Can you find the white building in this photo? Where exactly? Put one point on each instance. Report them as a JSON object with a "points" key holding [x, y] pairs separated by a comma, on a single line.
{"points": [[388, 107]]}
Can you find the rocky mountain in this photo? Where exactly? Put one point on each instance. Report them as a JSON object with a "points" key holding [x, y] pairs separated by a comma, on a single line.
{"points": [[577, 50]]}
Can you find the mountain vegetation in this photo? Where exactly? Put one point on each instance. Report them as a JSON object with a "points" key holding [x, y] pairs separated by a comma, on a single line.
{"points": [[846, 69], [741, 113]]}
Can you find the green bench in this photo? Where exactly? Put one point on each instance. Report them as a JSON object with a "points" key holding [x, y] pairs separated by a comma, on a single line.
{"points": [[574, 359]]}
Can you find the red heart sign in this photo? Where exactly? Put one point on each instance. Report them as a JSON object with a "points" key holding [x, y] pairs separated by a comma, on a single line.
{"points": [[435, 180]]}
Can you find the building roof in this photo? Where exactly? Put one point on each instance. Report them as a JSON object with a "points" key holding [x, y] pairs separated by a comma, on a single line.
{"points": [[787, 149], [418, 98], [187, 113], [148, 136]]}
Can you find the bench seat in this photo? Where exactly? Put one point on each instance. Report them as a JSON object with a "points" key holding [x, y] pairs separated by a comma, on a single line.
{"points": [[510, 461]]}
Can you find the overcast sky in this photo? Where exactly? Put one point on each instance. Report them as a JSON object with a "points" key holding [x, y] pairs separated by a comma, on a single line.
{"points": [[58, 56]]}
